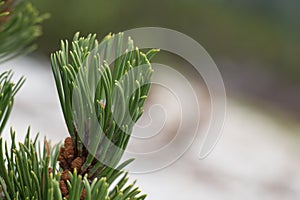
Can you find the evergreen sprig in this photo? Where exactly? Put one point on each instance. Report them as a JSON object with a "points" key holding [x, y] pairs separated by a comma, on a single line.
{"points": [[27, 173], [102, 88], [19, 26], [8, 91], [24, 170]]}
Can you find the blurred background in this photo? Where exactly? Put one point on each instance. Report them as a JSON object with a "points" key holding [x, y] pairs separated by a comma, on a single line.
{"points": [[246, 38], [255, 45]]}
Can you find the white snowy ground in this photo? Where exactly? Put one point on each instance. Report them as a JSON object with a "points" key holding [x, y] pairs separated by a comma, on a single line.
{"points": [[256, 158]]}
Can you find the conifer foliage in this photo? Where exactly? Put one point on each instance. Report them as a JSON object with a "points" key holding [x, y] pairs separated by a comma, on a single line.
{"points": [[102, 87]]}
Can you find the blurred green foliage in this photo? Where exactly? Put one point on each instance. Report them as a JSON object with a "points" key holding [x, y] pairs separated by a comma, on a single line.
{"points": [[261, 31]]}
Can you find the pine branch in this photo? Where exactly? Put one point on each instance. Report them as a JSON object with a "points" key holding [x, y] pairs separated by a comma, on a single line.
{"points": [[24, 170], [100, 101], [26, 173], [19, 26], [7, 92]]}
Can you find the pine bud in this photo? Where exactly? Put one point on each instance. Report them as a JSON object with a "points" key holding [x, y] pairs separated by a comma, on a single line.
{"points": [[63, 188], [68, 142], [65, 175], [77, 164]]}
